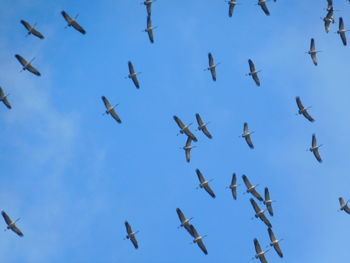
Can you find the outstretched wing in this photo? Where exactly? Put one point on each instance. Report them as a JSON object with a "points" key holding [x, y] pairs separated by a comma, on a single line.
{"points": [[300, 105], [78, 27], [6, 218], [211, 59], [249, 141], [317, 155], [128, 227], [314, 141], [255, 205], [5, 100], [188, 150], [246, 181], [199, 120], [200, 176], [209, 190], [149, 29], [134, 241], [115, 116], [66, 17], [180, 215], [37, 33], [26, 25], [264, 8], [251, 65], [21, 60], [312, 45], [256, 79], [230, 10], [106, 102], [268, 205], [257, 246], [308, 116], [131, 67], [342, 32], [256, 195], [33, 70], [202, 246], [178, 122], [265, 220], [213, 73], [15, 229]]}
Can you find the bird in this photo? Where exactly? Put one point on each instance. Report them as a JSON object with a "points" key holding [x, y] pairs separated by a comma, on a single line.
{"points": [[185, 222], [231, 6], [132, 75], [260, 254], [253, 72], [233, 186], [342, 31], [268, 201], [204, 184], [4, 99], [10, 224], [259, 213], [184, 129], [303, 110], [131, 235], [148, 4], [212, 66], [263, 6], [72, 22], [251, 188], [203, 126], [344, 206], [27, 65], [275, 242], [31, 29], [149, 29], [328, 20], [314, 148], [312, 52], [199, 240], [111, 110], [188, 147], [246, 135]]}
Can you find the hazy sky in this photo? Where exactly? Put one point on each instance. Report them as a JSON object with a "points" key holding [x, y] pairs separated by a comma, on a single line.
{"points": [[74, 176]]}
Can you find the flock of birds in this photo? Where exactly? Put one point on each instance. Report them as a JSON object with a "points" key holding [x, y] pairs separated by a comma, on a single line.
{"points": [[202, 126]]}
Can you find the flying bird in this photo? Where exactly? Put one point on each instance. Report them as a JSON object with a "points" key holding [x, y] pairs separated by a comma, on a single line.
{"points": [[72, 22], [312, 52], [246, 135], [185, 222], [149, 29], [303, 110], [344, 206], [27, 65], [233, 186], [212, 66], [132, 75], [188, 147], [328, 20], [263, 6], [259, 213], [260, 254], [198, 239], [268, 201], [314, 148], [275, 242], [204, 183], [251, 188], [184, 129], [203, 126], [342, 31], [253, 72], [111, 110], [31, 29], [231, 6], [131, 235], [3, 98], [148, 4], [10, 224]]}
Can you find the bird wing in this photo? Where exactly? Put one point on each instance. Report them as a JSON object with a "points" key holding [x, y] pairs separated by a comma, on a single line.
{"points": [[15, 229], [256, 79], [149, 30], [78, 27], [213, 73], [269, 208], [209, 190], [190, 134], [206, 132], [128, 227], [188, 142], [21, 60], [193, 231], [188, 155], [308, 116], [341, 24], [234, 179], [255, 205], [271, 234], [2, 94], [264, 8], [199, 120], [230, 10], [265, 220], [257, 246], [150, 35], [6, 218], [179, 122], [26, 25], [314, 58], [249, 141], [341, 201], [202, 246], [136, 82], [7, 103], [180, 215], [131, 67], [106, 102], [300, 105], [245, 128], [246, 181], [263, 259], [211, 59], [200, 176], [317, 155], [256, 195], [37, 33], [33, 70], [149, 9], [115, 116], [251, 65], [312, 45], [343, 38], [134, 241], [189, 229], [278, 249], [66, 17], [314, 141], [267, 194], [347, 209], [327, 25]]}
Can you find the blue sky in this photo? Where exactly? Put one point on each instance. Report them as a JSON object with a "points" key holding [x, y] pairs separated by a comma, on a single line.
{"points": [[74, 176]]}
